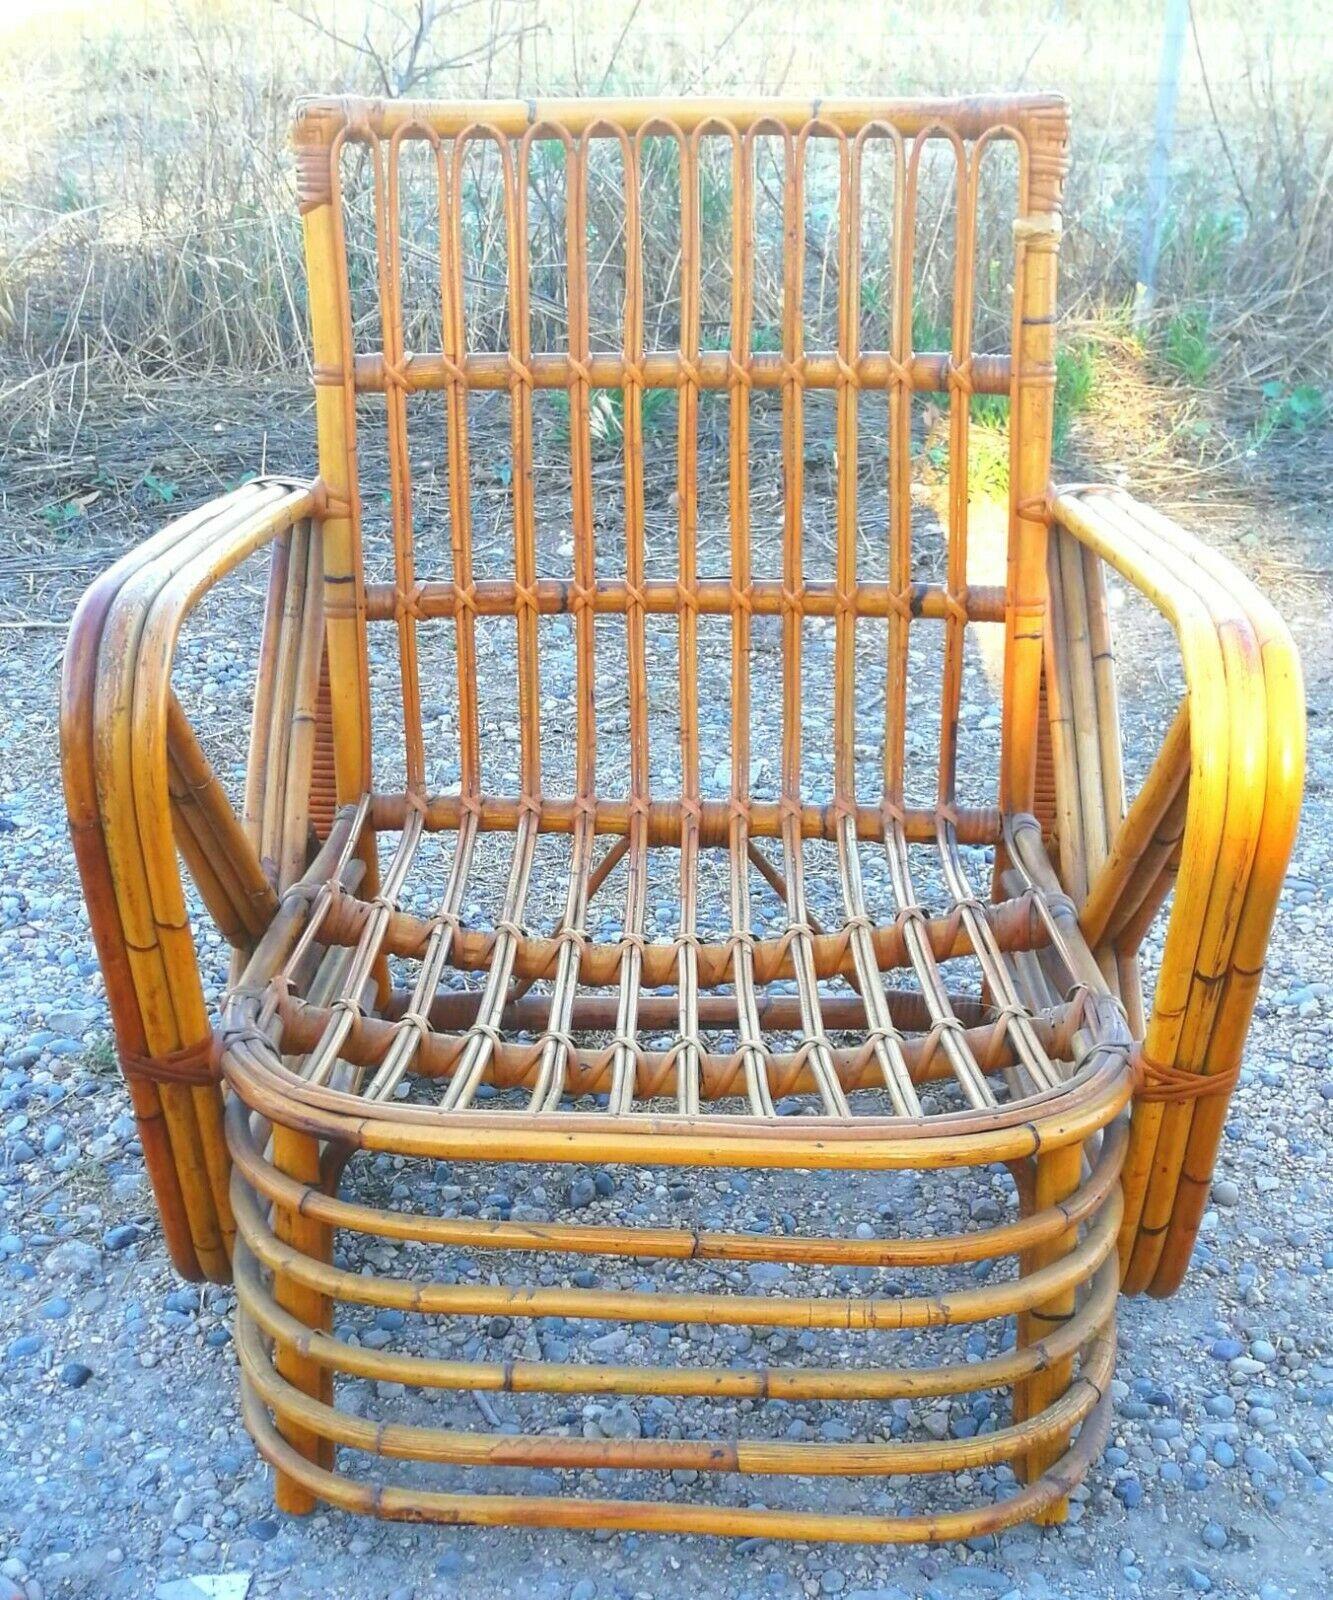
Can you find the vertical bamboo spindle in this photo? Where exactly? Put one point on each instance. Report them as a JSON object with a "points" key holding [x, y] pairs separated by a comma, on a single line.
{"points": [[318, 145], [1032, 402]]}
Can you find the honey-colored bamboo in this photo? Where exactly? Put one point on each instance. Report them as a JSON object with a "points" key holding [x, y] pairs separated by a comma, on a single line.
{"points": [[917, 1019]]}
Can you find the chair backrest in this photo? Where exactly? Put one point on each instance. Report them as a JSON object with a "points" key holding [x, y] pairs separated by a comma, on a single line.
{"points": [[624, 406]]}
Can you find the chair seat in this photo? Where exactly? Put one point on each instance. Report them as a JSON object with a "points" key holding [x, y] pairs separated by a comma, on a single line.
{"points": [[940, 1013]]}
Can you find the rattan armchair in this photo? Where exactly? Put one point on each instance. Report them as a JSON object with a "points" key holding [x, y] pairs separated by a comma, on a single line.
{"points": [[944, 983]]}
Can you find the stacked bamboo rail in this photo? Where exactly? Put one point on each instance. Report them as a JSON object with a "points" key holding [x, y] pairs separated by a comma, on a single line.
{"points": [[967, 1026]]}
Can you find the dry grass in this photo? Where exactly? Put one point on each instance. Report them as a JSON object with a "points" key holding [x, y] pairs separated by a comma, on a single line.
{"points": [[148, 230]]}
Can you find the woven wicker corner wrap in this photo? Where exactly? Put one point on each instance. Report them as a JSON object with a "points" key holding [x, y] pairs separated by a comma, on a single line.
{"points": [[941, 980]]}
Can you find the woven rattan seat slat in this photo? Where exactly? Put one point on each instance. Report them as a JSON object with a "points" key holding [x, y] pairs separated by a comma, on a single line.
{"points": [[928, 1041]]}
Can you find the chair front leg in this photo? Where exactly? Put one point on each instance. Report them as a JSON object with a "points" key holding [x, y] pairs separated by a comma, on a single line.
{"points": [[1055, 1176], [297, 1155]]}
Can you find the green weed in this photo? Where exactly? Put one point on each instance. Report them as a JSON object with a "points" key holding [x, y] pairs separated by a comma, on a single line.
{"points": [[988, 463], [606, 416], [1186, 345], [990, 410], [60, 515], [100, 1058], [1075, 380], [1295, 410], [162, 489], [1211, 240], [927, 334]]}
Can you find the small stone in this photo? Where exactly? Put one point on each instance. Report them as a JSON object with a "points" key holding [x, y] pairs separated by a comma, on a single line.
{"points": [[1214, 1535], [584, 1589], [121, 1237], [1226, 1349], [209, 1586], [582, 1192], [73, 1259], [621, 1421], [1226, 1193], [832, 1581], [1259, 1460], [450, 1564], [74, 1374]]}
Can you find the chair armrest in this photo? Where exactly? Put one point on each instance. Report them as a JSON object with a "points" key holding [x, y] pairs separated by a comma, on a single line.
{"points": [[124, 747], [1244, 725]]}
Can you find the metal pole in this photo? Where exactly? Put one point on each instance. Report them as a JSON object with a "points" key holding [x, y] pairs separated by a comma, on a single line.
{"points": [[1159, 164]]}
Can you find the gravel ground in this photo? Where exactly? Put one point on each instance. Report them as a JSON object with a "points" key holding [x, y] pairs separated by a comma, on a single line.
{"points": [[124, 1467]]}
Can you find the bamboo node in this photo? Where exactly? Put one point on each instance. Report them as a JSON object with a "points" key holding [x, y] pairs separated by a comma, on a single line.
{"points": [[314, 177]]}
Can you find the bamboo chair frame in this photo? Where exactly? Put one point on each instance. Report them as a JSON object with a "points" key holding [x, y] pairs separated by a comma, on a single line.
{"points": [[1105, 1104]]}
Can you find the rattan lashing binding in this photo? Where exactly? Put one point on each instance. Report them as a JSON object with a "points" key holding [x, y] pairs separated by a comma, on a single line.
{"points": [[943, 985]]}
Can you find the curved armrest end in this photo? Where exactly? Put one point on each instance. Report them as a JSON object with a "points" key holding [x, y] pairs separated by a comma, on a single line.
{"points": [[110, 761], [1246, 728]]}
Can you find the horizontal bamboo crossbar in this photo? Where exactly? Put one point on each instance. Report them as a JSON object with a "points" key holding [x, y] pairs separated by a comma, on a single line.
{"points": [[768, 1383], [713, 597], [948, 1308], [407, 1442], [663, 824], [710, 370], [319, 119], [657, 1516], [1017, 922], [720, 1073], [678, 1244]]}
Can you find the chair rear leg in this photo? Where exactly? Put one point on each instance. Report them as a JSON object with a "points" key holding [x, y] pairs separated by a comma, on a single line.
{"points": [[1055, 1176], [298, 1156]]}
